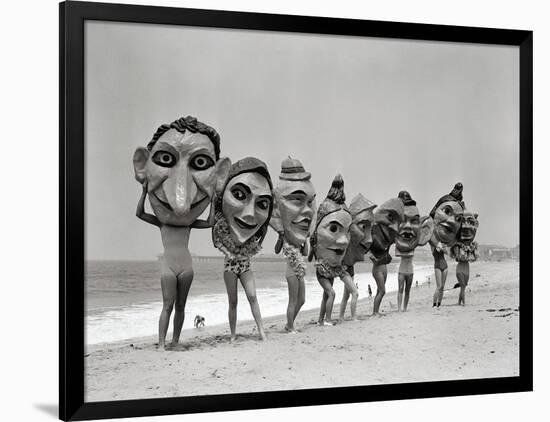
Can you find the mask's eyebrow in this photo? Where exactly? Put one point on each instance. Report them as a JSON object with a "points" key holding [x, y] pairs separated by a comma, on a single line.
{"points": [[337, 223], [243, 186], [265, 197], [165, 146], [364, 220]]}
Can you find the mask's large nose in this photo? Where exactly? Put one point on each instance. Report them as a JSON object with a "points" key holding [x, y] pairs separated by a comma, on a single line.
{"points": [[180, 189], [247, 213], [342, 240]]}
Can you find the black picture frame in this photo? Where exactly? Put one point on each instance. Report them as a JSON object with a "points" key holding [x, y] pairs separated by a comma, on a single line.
{"points": [[72, 16]]}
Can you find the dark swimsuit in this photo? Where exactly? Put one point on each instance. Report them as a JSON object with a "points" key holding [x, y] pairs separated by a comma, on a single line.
{"points": [[440, 262]]}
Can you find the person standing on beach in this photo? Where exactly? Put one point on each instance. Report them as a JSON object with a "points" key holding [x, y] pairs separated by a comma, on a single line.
{"points": [[387, 218], [180, 169], [360, 242], [292, 219], [465, 251], [447, 214], [243, 209], [413, 231], [329, 242]]}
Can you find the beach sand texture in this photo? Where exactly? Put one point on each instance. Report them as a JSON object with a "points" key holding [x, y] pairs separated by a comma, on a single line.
{"points": [[480, 340]]}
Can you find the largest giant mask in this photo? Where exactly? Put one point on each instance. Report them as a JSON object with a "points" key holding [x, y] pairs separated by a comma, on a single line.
{"points": [[447, 215], [294, 203], [331, 236], [414, 230], [243, 208], [361, 210], [387, 218], [182, 168]]}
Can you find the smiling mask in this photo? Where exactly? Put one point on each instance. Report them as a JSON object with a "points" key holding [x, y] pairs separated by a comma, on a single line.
{"points": [[247, 201], [387, 218], [413, 231], [331, 236], [468, 229], [182, 169], [294, 203], [361, 210], [447, 215]]}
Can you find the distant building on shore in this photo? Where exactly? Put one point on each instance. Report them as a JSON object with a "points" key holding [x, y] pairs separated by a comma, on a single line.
{"points": [[498, 253]]}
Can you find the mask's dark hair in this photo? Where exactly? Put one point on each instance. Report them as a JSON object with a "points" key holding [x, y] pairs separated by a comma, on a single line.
{"points": [[406, 198], [455, 195], [248, 165], [336, 191], [193, 125]]}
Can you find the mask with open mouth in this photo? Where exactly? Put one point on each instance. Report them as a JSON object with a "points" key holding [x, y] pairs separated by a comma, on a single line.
{"points": [[468, 229], [182, 168], [246, 202], [414, 230], [331, 236], [294, 203]]}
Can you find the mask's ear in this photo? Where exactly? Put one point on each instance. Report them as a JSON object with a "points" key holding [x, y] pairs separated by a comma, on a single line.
{"points": [[141, 155], [426, 230], [275, 221], [223, 165], [477, 221]]}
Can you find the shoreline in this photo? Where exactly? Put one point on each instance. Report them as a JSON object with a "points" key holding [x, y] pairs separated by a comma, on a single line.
{"points": [[422, 344]]}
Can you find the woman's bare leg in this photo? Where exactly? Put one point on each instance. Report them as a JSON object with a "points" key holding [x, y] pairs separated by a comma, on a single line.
{"points": [[325, 316], [443, 280], [350, 286], [184, 284], [440, 278], [291, 310], [231, 287], [380, 273], [301, 296], [344, 303], [168, 284], [400, 290], [408, 284], [462, 275], [247, 280]]}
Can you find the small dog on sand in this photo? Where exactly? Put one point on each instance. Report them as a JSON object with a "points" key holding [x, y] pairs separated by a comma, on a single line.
{"points": [[199, 321]]}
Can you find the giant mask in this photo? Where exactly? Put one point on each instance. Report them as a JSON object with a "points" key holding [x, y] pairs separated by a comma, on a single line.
{"points": [[468, 229], [294, 203], [331, 236], [246, 201], [413, 231], [182, 169], [361, 210], [447, 215], [387, 218]]}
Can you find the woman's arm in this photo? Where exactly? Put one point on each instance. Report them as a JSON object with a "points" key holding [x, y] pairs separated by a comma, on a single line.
{"points": [[206, 224], [140, 211]]}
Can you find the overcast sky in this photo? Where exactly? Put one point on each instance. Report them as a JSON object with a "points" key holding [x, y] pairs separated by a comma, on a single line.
{"points": [[387, 114]]}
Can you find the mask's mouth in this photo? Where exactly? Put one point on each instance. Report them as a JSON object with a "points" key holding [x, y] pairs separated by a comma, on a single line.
{"points": [[467, 234], [449, 228], [303, 224], [407, 235], [242, 224], [163, 203], [337, 251]]}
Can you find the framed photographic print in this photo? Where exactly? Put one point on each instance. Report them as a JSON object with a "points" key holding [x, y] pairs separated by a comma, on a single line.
{"points": [[266, 211]]}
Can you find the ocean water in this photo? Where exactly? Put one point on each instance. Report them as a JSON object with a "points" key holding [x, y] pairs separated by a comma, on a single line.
{"points": [[123, 298]]}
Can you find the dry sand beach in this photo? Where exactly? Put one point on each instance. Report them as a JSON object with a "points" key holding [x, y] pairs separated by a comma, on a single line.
{"points": [[476, 341]]}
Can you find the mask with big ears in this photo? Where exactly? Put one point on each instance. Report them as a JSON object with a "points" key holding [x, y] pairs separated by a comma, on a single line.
{"points": [[294, 203], [331, 236], [414, 230], [182, 170]]}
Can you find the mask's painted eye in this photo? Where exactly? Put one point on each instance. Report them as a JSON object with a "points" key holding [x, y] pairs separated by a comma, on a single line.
{"points": [[333, 228], [263, 204], [415, 220], [458, 218], [201, 162], [164, 159], [238, 193], [448, 210], [390, 218]]}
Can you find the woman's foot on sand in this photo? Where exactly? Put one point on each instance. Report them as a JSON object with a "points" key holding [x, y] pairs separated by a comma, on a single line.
{"points": [[291, 330]]}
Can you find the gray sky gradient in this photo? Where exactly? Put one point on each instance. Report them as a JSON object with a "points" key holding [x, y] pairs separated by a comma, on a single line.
{"points": [[387, 114]]}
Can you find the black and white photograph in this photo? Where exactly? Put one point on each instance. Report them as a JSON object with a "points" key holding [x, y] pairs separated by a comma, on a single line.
{"points": [[270, 211]]}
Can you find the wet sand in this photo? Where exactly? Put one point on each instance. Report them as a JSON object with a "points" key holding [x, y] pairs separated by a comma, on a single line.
{"points": [[479, 340]]}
